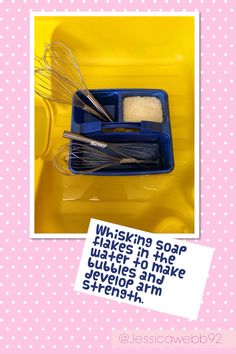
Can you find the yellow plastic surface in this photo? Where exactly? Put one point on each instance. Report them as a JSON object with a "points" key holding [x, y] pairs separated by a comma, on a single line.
{"points": [[120, 52]]}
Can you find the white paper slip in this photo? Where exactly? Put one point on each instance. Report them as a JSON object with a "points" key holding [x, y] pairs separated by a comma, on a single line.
{"points": [[143, 269]]}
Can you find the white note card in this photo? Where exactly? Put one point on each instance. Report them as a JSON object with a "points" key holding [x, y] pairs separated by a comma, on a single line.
{"points": [[143, 269]]}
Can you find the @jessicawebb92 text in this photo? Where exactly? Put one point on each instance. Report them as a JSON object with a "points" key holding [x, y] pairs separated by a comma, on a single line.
{"points": [[180, 339]]}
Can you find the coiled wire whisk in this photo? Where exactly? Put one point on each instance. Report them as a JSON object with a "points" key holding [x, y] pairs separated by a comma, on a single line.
{"points": [[59, 58], [50, 85], [79, 158]]}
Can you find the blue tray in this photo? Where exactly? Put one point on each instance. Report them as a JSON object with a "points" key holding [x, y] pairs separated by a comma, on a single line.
{"points": [[118, 131]]}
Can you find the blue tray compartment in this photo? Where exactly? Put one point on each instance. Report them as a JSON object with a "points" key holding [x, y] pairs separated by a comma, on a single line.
{"points": [[109, 99]]}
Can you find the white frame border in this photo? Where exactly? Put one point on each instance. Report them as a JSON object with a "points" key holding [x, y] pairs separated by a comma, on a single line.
{"points": [[196, 15]]}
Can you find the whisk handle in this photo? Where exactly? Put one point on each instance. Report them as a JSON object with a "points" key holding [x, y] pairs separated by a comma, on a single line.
{"points": [[132, 160], [99, 107], [92, 111], [84, 139]]}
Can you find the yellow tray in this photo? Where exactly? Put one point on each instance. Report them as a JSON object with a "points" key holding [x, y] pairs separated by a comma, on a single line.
{"points": [[119, 52]]}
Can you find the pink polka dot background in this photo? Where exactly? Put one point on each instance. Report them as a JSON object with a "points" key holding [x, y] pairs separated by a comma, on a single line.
{"points": [[39, 311]]}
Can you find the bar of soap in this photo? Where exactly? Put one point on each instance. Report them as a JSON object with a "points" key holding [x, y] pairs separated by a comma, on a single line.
{"points": [[137, 108]]}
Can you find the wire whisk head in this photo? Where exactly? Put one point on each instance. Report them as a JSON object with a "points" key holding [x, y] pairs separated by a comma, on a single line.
{"points": [[50, 85], [84, 159], [59, 64], [58, 57]]}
